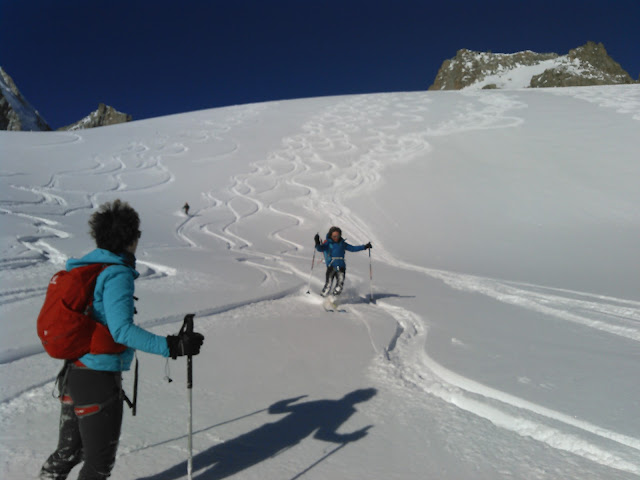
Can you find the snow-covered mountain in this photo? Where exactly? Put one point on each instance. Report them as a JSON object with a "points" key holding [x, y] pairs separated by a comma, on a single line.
{"points": [[503, 340], [104, 115], [16, 113], [583, 66]]}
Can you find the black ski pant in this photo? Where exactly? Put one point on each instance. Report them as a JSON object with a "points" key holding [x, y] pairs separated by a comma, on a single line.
{"points": [[90, 423], [334, 273]]}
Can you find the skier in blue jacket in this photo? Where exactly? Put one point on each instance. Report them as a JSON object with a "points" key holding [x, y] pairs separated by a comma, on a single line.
{"points": [[91, 386], [334, 248]]}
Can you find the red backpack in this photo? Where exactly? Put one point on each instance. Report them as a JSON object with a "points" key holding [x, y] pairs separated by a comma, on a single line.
{"points": [[65, 325]]}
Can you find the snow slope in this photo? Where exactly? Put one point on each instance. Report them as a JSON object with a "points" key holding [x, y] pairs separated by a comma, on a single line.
{"points": [[503, 341]]}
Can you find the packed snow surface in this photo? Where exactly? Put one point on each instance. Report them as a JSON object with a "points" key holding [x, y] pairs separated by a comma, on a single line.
{"points": [[502, 339]]}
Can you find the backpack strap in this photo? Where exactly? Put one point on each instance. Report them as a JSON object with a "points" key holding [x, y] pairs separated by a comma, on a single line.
{"points": [[61, 381], [133, 405], [95, 281]]}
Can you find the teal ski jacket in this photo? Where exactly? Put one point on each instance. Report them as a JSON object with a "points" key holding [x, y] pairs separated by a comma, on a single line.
{"points": [[113, 306], [334, 251]]}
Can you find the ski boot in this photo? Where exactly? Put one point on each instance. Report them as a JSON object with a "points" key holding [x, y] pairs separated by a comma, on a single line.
{"points": [[339, 284]]}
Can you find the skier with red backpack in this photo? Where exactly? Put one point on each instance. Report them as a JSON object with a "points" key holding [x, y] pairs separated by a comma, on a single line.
{"points": [[98, 341]]}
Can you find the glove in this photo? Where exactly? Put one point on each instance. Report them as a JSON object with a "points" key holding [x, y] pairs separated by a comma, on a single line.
{"points": [[357, 435], [368, 246], [317, 239], [184, 344]]}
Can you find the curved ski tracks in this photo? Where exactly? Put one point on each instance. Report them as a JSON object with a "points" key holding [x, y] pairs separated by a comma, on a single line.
{"points": [[136, 167], [319, 168], [324, 151]]}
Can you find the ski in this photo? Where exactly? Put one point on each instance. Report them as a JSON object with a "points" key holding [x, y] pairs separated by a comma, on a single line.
{"points": [[330, 304]]}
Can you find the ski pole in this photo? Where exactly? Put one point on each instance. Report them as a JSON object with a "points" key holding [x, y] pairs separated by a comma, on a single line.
{"points": [[342, 445], [188, 328], [370, 279], [313, 261]]}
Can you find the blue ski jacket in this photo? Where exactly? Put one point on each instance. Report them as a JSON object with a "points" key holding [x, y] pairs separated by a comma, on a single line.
{"points": [[113, 306], [334, 251]]}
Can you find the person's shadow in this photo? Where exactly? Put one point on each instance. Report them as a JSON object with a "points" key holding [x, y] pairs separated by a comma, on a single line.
{"points": [[323, 417], [355, 299]]}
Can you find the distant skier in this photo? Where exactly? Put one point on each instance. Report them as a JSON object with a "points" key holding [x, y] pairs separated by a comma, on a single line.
{"points": [[334, 248], [186, 209]]}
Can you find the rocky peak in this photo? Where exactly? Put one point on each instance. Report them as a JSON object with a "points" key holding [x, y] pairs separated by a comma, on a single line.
{"points": [[469, 66], [586, 65], [596, 56], [15, 112], [103, 116]]}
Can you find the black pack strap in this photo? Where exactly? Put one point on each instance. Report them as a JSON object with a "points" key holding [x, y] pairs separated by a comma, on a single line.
{"points": [[135, 389], [61, 380], [128, 402], [133, 404]]}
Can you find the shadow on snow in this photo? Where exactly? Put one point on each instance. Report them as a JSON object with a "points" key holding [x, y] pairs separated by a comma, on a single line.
{"points": [[324, 417], [355, 299]]}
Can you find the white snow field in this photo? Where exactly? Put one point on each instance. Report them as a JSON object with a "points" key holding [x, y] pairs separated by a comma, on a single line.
{"points": [[503, 340]]}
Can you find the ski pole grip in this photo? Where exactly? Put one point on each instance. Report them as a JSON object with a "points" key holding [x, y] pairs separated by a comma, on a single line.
{"points": [[188, 322], [187, 326]]}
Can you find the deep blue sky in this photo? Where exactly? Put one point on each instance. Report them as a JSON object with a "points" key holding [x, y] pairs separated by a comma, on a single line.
{"points": [[151, 58]]}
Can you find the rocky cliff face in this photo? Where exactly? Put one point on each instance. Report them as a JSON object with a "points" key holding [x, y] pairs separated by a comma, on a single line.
{"points": [[582, 66], [469, 67], [104, 115], [15, 112], [587, 65]]}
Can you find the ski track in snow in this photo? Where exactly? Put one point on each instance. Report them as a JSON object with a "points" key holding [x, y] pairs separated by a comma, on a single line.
{"points": [[320, 167], [406, 361], [316, 170], [59, 197], [136, 162], [57, 200], [412, 363], [624, 99]]}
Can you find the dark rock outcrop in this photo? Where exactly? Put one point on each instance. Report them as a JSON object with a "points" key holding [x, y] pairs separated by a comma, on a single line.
{"points": [[103, 116], [469, 67], [15, 112], [586, 65]]}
